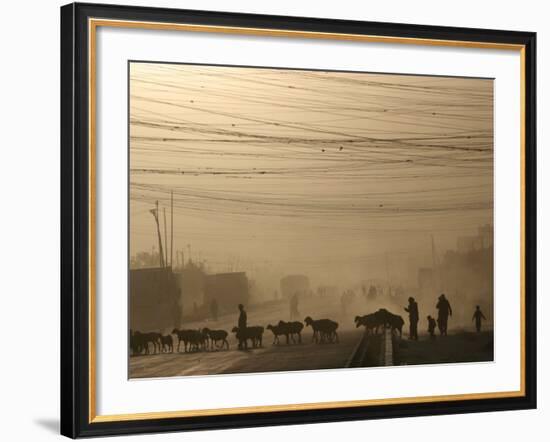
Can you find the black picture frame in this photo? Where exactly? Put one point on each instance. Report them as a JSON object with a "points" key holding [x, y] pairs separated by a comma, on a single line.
{"points": [[75, 220]]}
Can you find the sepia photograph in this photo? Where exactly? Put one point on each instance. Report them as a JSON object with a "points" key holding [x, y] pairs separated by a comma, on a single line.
{"points": [[286, 219]]}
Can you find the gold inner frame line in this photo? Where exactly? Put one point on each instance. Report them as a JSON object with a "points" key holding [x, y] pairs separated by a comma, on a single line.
{"points": [[93, 24]]}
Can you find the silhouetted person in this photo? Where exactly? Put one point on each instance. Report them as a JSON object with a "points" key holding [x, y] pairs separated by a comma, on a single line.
{"points": [[242, 322], [214, 309], [478, 316], [431, 327], [294, 313], [443, 312], [412, 310]]}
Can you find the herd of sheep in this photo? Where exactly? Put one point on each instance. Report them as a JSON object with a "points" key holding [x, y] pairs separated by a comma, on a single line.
{"points": [[205, 339]]}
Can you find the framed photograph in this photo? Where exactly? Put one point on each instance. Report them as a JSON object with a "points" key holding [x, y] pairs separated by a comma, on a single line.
{"points": [[279, 220]]}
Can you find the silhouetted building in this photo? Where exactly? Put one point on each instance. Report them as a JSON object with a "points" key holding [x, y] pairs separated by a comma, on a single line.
{"points": [[190, 279], [327, 290], [228, 289], [294, 284], [154, 299], [426, 279], [486, 235], [465, 244], [483, 240]]}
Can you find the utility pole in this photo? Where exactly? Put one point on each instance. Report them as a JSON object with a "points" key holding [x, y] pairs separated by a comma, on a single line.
{"points": [[388, 275], [165, 238], [434, 260], [155, 212], [171, 227]]}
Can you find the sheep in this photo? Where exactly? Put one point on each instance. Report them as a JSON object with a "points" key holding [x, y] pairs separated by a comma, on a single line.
{"points": [[294, 329], [216, 336], [137, 342], [396, 323], [192, 339], [253, 333], [153, 338], [324, 330], [370, 322], [206, 342], [182, 337], [142, 340], [388, 319], [167, 343], [196, 340], [278, 330]]}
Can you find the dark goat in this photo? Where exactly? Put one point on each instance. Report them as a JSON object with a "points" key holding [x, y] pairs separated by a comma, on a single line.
{"points": [[324, 330]]}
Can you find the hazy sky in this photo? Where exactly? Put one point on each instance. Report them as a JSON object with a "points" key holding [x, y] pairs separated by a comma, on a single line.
{"points": [[317, 172]]}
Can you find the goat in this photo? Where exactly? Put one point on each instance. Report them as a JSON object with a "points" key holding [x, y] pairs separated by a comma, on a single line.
{"points": [[324, 330]]}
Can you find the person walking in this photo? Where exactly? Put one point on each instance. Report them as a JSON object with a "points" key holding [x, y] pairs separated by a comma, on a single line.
{"points": [[478, 316], [241, 324], [412, 310], [444, 310]]}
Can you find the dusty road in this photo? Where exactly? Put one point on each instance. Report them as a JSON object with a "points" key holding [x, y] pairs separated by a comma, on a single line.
{"points": [[459, 346], [305, 356], [282, 357]]}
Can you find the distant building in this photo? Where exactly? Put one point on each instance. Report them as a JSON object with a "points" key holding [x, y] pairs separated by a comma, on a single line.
{"points": [[483, 240], [228, 289], [465, 244], [191, 280], [154, 300], [292, 284], [486, 235], [425, 278], [327, 290]]}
